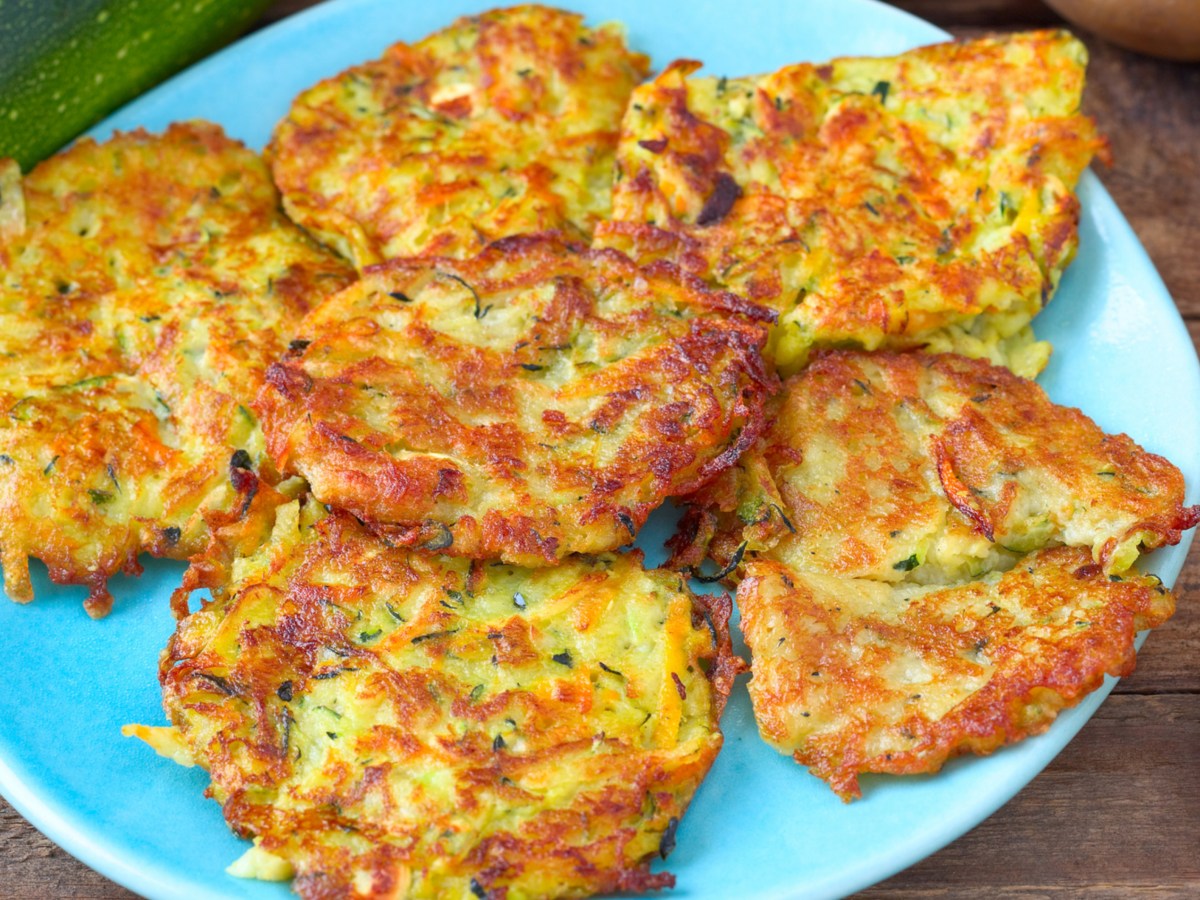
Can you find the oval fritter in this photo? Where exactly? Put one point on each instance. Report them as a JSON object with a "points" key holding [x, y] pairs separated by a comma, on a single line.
{"points": [[503, 123], [148, 282], [389, 723], [921, 200], [853, 675], [535, 401], [903, 590], [932, 468]]}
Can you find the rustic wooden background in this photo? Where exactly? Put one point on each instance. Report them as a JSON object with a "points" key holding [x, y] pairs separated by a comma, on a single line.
{"points": [[1117, 814]]}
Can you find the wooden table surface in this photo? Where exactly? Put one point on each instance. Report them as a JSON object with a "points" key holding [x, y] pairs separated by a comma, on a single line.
{"points": [[1117, 814]]}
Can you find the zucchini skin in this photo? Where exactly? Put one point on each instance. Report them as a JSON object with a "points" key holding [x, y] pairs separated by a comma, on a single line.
{"points": [[65, 64]]}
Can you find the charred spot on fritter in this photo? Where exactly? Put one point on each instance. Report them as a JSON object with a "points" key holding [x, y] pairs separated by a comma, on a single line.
{"points": [[872, 202], [149, 281], [374, 716], [535, 401], [500, 124]]}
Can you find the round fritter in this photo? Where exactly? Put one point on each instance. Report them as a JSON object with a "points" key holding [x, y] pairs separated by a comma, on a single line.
{"points": [[535, 401], [934, 469], [503, 123], [147, 283], [921, 200], [857, 675], [389, 723]]}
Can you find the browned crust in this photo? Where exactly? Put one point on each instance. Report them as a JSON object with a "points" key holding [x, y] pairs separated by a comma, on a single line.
{"points": [[152, 281], [500, 460], [869, 202], [987, 429], [502, 123], [1049, 661], [297, 619]]}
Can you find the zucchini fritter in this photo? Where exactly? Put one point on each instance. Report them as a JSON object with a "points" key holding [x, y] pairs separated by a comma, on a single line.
{"points": [[148, 282], [891, 530], [854, 675], [923, 200], [932, 468], [390, 723], [535, 401], [503, 123]]}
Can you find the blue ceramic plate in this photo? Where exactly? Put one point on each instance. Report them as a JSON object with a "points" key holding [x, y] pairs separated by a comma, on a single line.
{"points": [[760, 826]]}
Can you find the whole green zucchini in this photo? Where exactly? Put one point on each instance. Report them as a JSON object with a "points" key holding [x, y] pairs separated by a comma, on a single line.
{"points": [[65, 64]]}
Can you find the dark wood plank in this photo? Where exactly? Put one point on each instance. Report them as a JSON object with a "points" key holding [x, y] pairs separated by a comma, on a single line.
{"points": [[34, 868], [1096, 822], [987, 14], [1169, 659], [1155, 175], [281, 9]]}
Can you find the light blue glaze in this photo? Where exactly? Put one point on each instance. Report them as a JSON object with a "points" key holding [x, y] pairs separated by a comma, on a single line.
{"points": [[760, 827]]}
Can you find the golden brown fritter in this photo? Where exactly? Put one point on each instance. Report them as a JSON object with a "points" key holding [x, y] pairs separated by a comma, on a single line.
{"points": [[855, 675], [147, 283], [891, 532], [923, 200], [503, 123], [535, 401], [935, 469], [389, 723]]}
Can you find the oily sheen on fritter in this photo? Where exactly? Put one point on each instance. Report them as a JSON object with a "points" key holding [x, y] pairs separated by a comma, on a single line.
{"points": [[535, 401], [389, 723], [922, 200], [893, 531], [932, 468], [147, 283], [856, 675], [502, 123]]}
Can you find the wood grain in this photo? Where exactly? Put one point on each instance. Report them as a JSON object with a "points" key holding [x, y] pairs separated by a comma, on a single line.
{"points": [[1117, 814]]}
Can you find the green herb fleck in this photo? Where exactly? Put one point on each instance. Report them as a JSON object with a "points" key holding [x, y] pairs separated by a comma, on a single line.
{"points": [[86, 384], [667, 842], [420, 638], [731, 566], [480, 310], [441, 540], [787, 523], [332, 673], [1008, 211]]}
